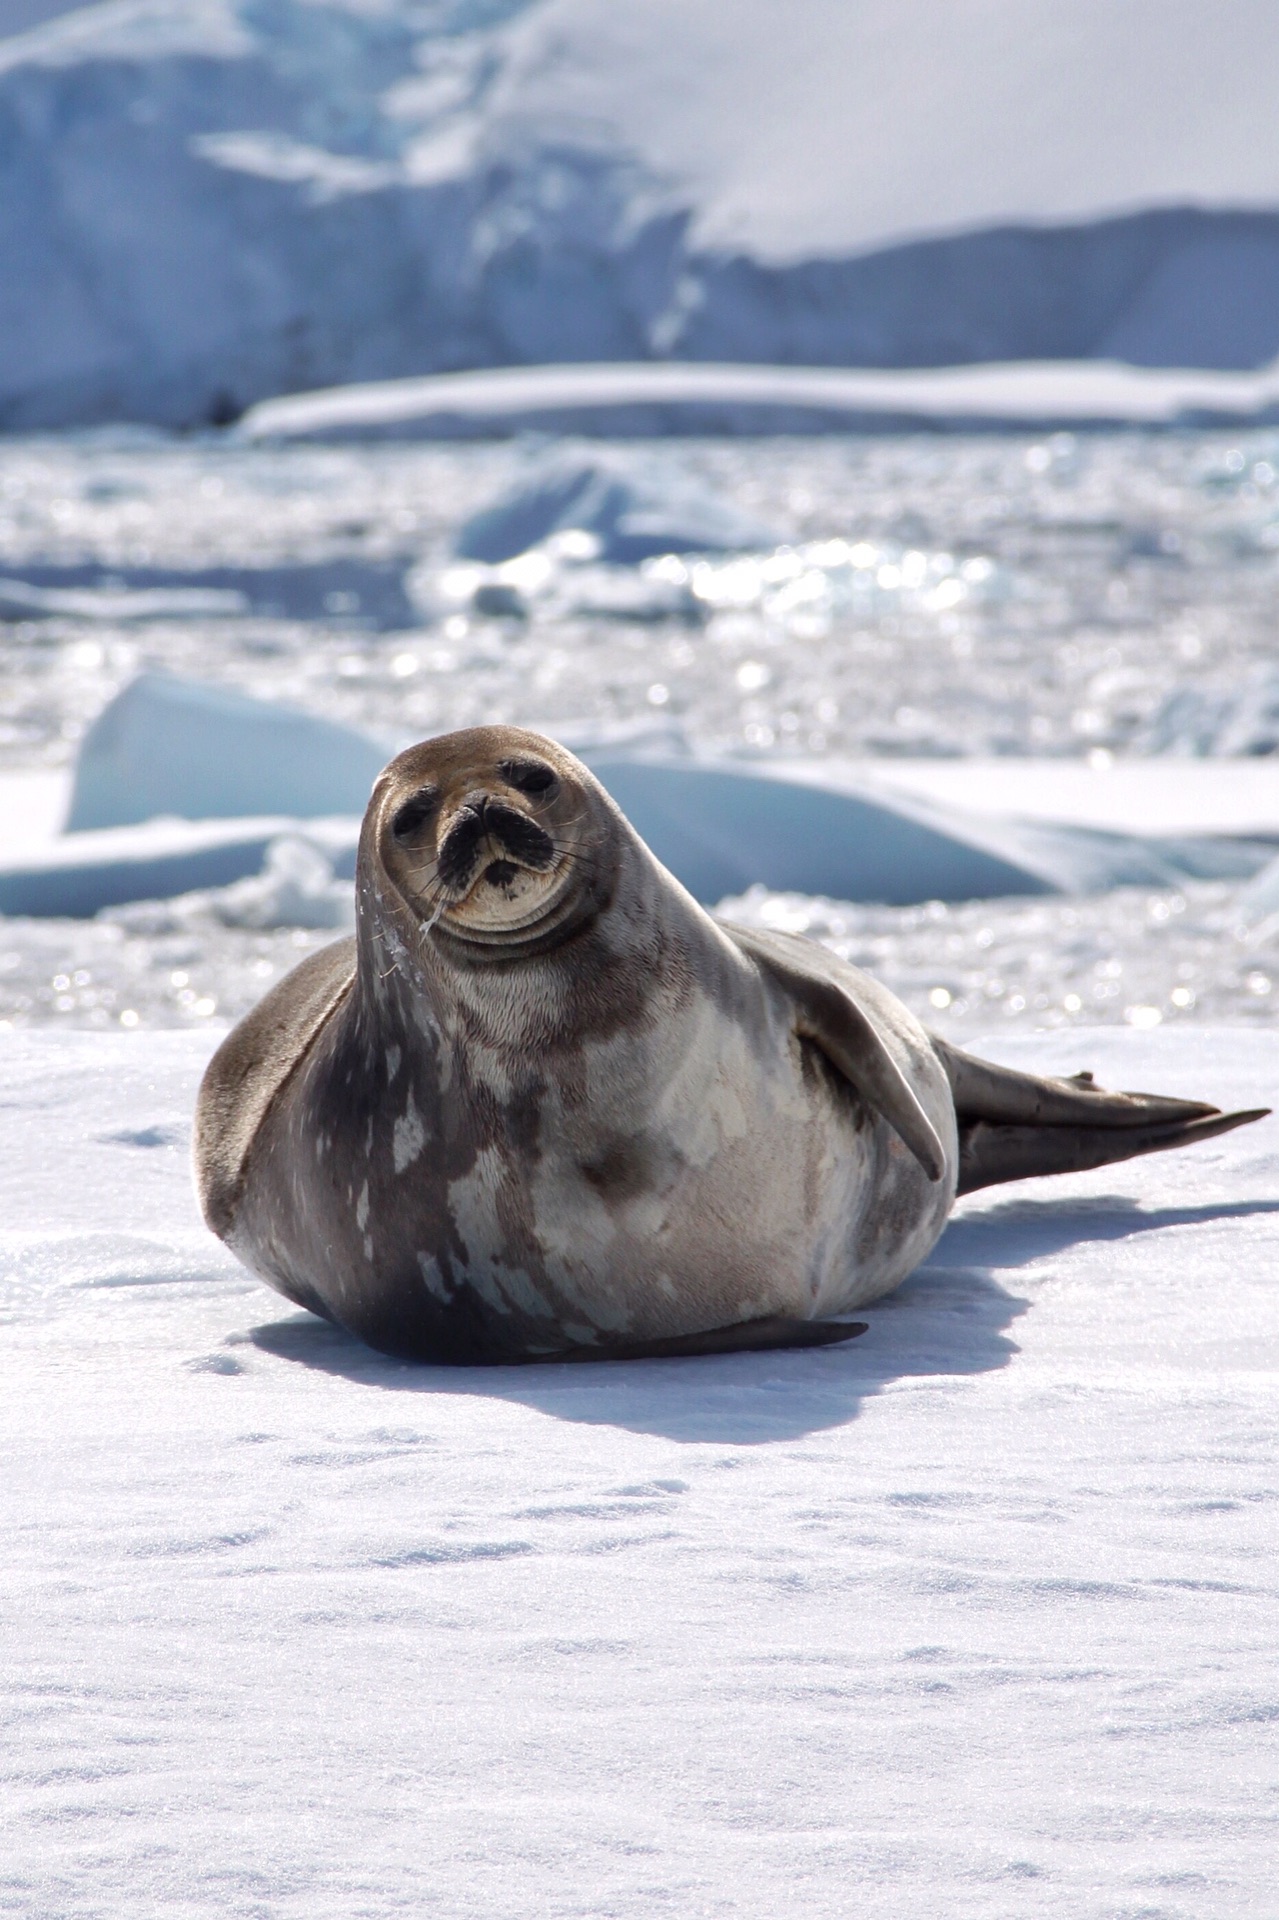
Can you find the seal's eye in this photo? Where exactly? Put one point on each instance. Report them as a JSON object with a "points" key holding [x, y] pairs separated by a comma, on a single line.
{"points": [[415, 812], [528, 776]]}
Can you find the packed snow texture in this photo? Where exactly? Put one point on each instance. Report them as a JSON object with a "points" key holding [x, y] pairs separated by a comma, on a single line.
{"points": [[975, 1616], [205, 202]]}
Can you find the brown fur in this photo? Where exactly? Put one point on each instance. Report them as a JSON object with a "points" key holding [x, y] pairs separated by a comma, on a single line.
{"points": [[543, 1104]]}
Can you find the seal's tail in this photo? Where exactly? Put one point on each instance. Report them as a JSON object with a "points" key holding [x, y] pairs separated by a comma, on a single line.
{"points": [[1013, 1126]]}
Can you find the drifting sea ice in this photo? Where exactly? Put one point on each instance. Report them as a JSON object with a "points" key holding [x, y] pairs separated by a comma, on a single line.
{"points": [[931, 594], [1138, 957], [1002, 594]]}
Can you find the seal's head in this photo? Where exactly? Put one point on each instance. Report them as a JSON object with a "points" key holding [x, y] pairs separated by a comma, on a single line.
{"points": [[494, 836]]}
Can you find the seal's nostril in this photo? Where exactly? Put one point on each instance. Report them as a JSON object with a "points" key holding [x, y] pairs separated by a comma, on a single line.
{"points": [[459, 846]]}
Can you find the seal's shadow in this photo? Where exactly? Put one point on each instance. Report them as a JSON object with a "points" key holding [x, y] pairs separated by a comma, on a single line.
{"points": [[949, 1319]]}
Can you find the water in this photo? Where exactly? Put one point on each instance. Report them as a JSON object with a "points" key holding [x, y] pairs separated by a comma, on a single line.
{"points": [[1136, 956], [1070, 595], [928, 595]]}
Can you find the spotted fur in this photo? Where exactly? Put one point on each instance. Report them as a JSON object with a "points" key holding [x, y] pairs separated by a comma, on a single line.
{"points": [[539, 1107]]}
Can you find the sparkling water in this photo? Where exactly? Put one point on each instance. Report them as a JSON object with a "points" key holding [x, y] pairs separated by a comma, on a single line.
{"points": [[1069, 595]]}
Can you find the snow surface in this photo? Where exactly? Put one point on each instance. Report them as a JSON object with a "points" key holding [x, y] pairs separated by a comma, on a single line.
{"points": [[1125, 796], [205, 202], [976, 1616]]}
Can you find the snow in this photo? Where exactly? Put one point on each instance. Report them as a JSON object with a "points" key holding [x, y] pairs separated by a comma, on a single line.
{"points": [[673, 398], [207, 202], [974, 1616], [1152, 796], [898, 118], [33, 805]]}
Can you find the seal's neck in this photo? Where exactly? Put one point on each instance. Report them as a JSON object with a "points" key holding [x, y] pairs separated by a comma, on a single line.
{"points": [[608, 967]]}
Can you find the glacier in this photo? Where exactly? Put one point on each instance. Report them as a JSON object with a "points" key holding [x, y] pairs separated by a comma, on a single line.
{"points": [[204, 203]]}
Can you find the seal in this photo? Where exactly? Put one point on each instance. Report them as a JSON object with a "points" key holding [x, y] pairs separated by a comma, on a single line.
{"points": [[542, 1105]]}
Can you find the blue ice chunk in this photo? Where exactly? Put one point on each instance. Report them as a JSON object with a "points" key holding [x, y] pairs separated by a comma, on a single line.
{"points": [[82, 873], [722, 828], [169, 746], [632, 513]]}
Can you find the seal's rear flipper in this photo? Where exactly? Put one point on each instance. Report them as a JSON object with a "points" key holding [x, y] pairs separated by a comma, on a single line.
{"points": [[747, 1336], [1014, 1126]]}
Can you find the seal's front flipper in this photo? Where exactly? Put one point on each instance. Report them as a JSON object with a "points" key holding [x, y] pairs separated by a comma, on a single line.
{"points": [[840, 1010], [250, 1068], [1014, 1126], [746, 1336]]}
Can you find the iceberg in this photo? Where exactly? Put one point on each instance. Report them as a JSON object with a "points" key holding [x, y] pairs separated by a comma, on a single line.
{"points": [[642, 399], [81, 874], [300, 884], [204, 203], [724, 827]]}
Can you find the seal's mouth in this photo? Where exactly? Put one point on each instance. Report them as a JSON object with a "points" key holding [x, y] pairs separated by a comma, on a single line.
{"points": [[491, 843], [498, 872]]}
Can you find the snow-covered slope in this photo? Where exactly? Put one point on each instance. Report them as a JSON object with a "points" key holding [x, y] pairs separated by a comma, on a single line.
{"points": [[975, 1617], [203, 202], [846, 123]]}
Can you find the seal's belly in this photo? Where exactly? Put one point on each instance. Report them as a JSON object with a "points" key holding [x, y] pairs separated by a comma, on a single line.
{"points": [[638, 1191], [751, 1181]]}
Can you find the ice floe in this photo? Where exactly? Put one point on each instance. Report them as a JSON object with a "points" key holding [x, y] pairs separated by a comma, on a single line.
{"points": [[608, 511], [974, 1616], [170, 746], [180, 787]]}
